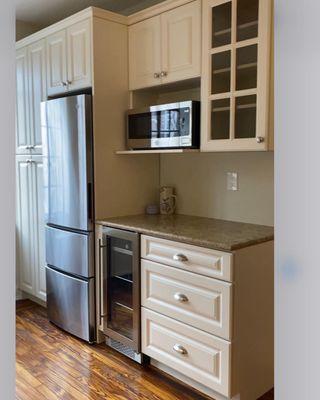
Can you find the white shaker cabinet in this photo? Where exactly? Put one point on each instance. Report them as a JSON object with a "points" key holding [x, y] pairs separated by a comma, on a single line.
{"points": [[37, 91], [181, 38], [30, 226], [30, 91], [79, 55], [69, 59], [24, 224], [145, 53], [22, 103], [166, 48], [57, 63], [39, 227]]}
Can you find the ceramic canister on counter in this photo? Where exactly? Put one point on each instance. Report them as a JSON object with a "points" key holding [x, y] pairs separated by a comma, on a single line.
{"points": [[167, 200]]}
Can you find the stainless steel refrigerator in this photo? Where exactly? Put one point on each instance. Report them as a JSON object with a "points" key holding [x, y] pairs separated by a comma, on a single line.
{"points": [[66, 125]]}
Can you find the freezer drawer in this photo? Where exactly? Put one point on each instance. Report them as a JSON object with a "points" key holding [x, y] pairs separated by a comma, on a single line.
{"points": [[70, 252], [70, 304]]}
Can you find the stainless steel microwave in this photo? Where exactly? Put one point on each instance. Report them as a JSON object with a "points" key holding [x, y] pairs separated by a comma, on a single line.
{"points": [[165, 126]]}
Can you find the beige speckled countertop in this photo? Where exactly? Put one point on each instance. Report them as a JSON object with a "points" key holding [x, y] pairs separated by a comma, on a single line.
{"points": [[204, 232]]}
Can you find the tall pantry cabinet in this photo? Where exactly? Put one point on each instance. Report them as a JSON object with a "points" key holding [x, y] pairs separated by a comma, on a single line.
{"points": [[54, 64], [31, 90], [88, 50]]}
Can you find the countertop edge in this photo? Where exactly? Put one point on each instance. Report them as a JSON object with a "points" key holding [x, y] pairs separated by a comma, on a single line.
{"points": [[169, 236]]}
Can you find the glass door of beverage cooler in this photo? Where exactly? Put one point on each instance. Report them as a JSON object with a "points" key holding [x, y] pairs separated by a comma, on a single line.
{"points": [[122, 287]]}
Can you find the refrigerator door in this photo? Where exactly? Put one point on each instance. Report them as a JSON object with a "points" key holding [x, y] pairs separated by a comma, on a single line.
{"points": [[68, 167], [70, 252], [70, 304]]}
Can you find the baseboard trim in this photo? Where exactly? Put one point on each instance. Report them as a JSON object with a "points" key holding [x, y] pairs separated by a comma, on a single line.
{"points": [[33, 298]]}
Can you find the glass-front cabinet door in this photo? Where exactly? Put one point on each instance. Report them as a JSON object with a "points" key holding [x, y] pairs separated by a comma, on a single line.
{"points": [[236, 75]]}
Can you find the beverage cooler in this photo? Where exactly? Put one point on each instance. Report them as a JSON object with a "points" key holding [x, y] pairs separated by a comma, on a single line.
{"points": [[121, 288]]}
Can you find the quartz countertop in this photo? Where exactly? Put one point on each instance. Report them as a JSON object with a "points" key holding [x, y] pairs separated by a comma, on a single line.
{"points": [[205, 232]]}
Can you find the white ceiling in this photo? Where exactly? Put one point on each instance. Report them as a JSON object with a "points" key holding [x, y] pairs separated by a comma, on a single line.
{"points": [[46, 12]]}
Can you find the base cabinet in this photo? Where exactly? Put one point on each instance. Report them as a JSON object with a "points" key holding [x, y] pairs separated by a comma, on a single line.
{"points": [[205, 331], [30, 226]]}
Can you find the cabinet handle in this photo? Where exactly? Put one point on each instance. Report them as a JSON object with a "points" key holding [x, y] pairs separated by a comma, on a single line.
{"points": [[163, 74], [180, 349], [260, 139], [180, 257], [181, 297], [69, 82], [29, 161], [64, 83], [156, 75]]}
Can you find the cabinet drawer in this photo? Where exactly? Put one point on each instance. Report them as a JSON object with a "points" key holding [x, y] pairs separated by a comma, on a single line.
{"points": [[212, 263], [194, 299], [196, 354]]}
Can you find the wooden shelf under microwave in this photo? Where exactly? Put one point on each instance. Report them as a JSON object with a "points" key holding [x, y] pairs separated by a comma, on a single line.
{"points": [[159, 151]]}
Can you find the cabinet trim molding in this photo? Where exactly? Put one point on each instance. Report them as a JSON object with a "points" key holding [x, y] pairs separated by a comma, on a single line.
{"points": [[156, 10], [90, 12]]}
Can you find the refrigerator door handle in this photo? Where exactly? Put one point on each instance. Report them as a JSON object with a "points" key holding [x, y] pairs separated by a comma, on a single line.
{"points": [[89, 194]]}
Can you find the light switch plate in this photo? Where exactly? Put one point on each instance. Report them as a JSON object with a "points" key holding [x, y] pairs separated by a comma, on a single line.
{"points": [[232, 181]]}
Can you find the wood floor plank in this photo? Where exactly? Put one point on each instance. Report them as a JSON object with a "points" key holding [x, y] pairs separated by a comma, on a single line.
{"points": [[52, 364]]}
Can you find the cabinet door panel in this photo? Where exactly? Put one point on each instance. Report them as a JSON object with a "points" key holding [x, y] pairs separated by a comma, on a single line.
{"points": [[236, 75], [145, 53], [38, 91], [22, 103], [79, 55], [181, 42], [24, 224], [56, 63], [39, 224]]}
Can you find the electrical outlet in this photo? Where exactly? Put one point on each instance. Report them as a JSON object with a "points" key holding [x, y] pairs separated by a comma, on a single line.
{"points": [[232, 181]]}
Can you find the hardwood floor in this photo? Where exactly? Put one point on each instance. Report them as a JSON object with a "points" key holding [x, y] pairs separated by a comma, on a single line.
{"points": [[54, 365]]}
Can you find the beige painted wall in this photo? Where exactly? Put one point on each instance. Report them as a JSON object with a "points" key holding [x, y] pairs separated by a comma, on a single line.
{"points": [[201, 185], [24, 29]]}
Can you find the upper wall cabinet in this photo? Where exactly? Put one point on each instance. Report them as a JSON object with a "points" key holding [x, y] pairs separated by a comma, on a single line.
{"points": [[69, 59], [37, 91], [166, 48], [145, 53], [236, 75], [31, 90], [22, 103]]}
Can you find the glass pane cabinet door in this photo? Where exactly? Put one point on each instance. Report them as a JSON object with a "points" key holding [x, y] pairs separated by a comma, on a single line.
{"points": [[120, 286], [246, 73], [236, 86], [221, 24], [221, 72], [247, 19], [220, 119]]}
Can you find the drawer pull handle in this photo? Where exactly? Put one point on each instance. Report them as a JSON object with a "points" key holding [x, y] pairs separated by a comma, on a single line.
{"points": [[181, 297], [180, 349], [180, 257]]}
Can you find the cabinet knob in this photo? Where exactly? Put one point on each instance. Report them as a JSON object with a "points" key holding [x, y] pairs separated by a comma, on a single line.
{"points": [[180, 349], [180, 257], [260, 139], [163, 74], [69, 82], [156, 75], [181, 297]]}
